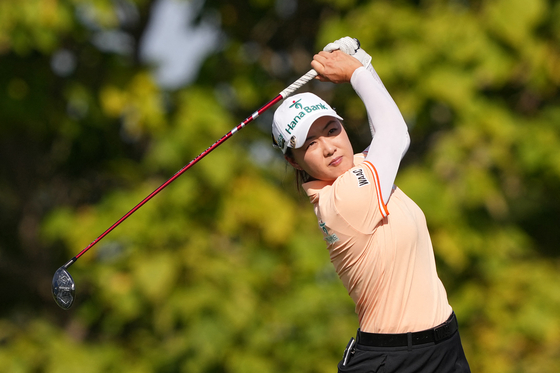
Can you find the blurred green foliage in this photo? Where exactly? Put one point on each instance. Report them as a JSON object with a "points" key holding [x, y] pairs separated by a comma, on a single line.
{"points": [[225, 270]]}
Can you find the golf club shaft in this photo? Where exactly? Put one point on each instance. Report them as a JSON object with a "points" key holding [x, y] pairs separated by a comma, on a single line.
{"points": [[282, 95]]}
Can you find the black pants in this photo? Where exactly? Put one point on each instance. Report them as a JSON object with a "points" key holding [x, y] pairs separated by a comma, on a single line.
{"points": [[445, 356]]}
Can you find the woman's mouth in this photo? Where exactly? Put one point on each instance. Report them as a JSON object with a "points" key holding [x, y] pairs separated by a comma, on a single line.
{"points": [[336, 161]]}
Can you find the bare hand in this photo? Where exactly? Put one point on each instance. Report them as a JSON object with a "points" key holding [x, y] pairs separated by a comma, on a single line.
{"points": [[335, 66]]}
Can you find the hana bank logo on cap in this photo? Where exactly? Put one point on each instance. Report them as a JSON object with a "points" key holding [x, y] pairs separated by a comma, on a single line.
{"points": [[296, 104], [294, 117]]}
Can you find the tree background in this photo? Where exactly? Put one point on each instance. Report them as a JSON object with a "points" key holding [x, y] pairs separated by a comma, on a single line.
{"points": [[225, 270]]}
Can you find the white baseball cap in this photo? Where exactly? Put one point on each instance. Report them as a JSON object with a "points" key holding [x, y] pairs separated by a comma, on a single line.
{"points": [[294, 117]]}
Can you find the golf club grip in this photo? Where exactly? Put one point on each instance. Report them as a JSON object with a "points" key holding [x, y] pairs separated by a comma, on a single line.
{"points": [[298, 83], [285, 93]]}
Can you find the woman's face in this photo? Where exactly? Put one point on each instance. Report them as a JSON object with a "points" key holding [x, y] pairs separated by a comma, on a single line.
{"points": [[327, 152]]}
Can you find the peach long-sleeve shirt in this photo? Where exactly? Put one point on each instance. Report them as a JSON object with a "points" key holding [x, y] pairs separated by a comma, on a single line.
{"points": [[377, 236]]}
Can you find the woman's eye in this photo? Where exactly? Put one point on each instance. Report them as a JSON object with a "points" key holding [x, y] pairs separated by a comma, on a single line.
{"points": [[333, 130]]}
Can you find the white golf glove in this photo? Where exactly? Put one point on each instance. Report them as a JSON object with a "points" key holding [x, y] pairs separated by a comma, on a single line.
{"points": [[350, 46]]}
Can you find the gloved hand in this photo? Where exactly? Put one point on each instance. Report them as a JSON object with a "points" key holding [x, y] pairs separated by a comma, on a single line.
{"points": [[350, 46]]}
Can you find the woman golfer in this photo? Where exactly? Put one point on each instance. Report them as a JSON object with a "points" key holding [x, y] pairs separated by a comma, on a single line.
{"points": [[377, 237]]}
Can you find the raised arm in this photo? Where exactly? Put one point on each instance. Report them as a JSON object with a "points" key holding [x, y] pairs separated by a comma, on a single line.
{"points": [[391, 139], [351, 46]]}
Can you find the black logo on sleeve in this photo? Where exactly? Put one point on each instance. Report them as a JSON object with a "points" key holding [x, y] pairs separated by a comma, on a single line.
{"points": [[362, 179]]}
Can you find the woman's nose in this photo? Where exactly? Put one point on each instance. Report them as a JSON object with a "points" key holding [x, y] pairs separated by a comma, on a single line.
{"points": [[328, 149]]}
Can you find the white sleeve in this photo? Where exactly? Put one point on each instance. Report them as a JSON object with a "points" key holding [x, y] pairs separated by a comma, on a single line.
{"points": [[372, 71], [390, 133]]}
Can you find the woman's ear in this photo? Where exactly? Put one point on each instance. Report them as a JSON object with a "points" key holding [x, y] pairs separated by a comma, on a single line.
{"points": [[293, 162]]}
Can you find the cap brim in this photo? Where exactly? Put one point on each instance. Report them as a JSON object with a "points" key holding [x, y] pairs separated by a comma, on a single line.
{"points": [[300, 140]]}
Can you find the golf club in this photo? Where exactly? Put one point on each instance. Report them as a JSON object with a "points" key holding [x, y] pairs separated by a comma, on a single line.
{"points": [[63, 287]]}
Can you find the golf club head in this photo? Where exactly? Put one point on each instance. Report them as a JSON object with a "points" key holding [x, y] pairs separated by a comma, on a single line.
{"points": [[63, 288]]}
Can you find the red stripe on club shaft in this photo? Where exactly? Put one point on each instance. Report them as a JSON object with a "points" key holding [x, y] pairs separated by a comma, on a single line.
{"points": [[179, 173]]}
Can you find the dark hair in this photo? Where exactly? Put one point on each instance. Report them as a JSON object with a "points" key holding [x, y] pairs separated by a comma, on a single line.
{"points": [[301, 175]]}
